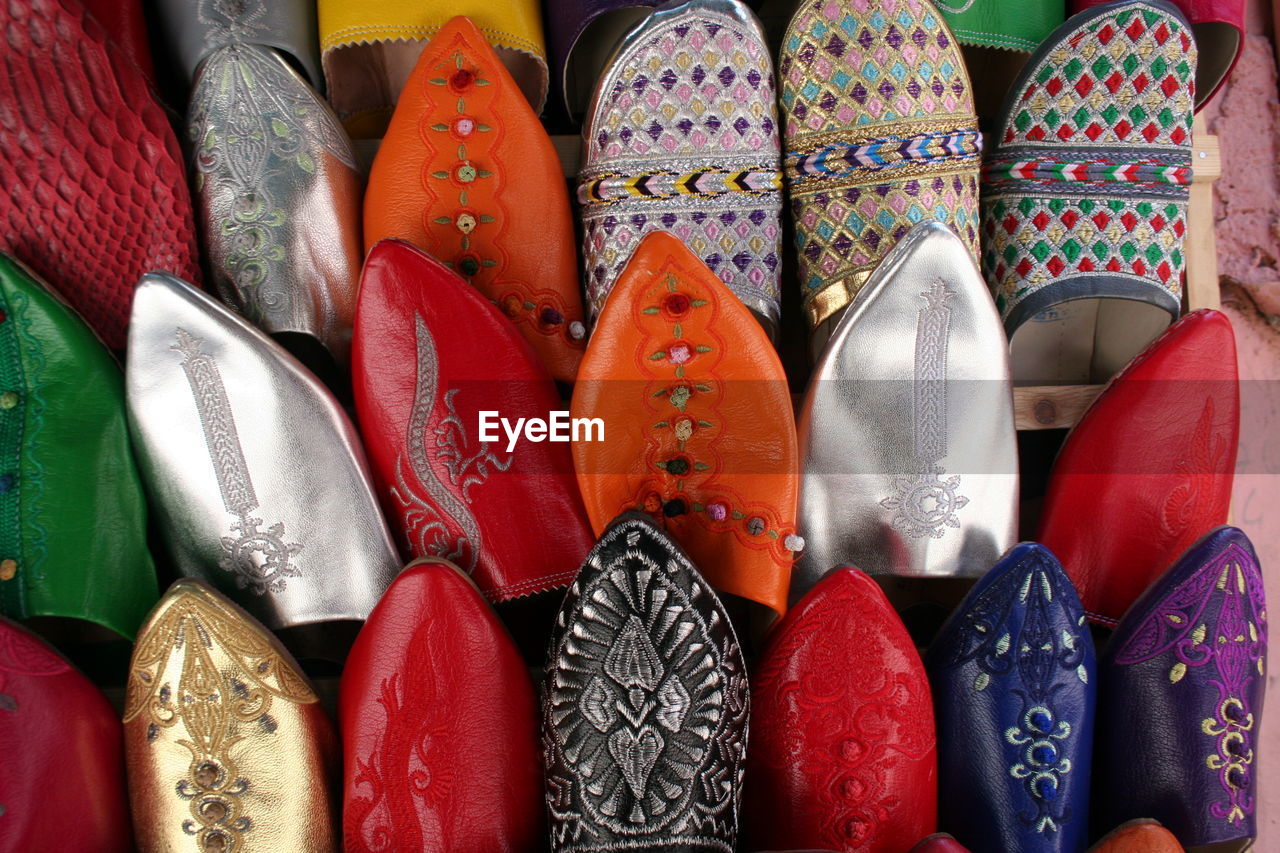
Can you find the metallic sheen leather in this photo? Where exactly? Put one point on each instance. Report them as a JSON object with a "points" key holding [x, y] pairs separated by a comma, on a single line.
{"points": [[62, 752], [645, 704], [1183, 680], [228, 747], [73, 517], [278, 196], [1014, 678], [907, 441], [195, 28], [255, 472]]}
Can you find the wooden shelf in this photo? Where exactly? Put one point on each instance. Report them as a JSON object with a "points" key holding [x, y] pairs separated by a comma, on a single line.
{"points": [[1051, 406]]}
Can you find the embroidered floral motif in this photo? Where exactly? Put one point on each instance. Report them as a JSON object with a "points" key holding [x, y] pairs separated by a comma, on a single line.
{"points": [[259, 559], [440, 523], [232, 20], [1208, 461], [203, 673], [881, 135], [256, 144], [1216, 617], [684, 138]]}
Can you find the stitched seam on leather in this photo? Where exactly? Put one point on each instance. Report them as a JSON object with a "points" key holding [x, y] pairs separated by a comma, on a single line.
{"points": [[536, 585], [1000, 40], [336, 39]]}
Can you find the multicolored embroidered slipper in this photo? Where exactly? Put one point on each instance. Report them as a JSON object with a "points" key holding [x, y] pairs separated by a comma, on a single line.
{"points": [[69, 487], [917, 361], [1219, 30], [881, 135], [645, 704], [227, 744], [467, 172], [1191, 654], [1084, 198], [699, 431], [581, 34], [843, 755], [430, 355], [278, 194], [439, 724], [1014, 679], [370, 49], [682, 136], [1008, 24], [254, 471]]}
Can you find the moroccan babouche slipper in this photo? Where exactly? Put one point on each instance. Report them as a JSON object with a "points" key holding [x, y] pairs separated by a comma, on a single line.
{"points": [[89, 154], [69, 481], [467, 172], [1219, 30], [227, 744], [1148, 468], [880, 135], [439, 724], [700, 432], [193, 29], [253, 469], [919, 362], [431, 354], [645, 704], [842, 754], [1014, 681], [939, 842], [54, 720], [1191, 653], [1084, 196], [278, 196], [127, 27], [370, 49], [682, 136], [1138, 836], [581, 34], [1019, 25]]}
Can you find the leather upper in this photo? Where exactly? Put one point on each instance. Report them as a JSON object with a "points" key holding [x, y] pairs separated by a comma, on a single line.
{"points": [[843, 754], [124, 22], [228, 747], [1014, 678], [68, 479], [1190, 655], [645, 704], [193, 29], [54, 721], [254, 471], [906, 431], [467, 172], [431, 354], [278, 194], [1009, 24], [439, 724], [95, 192], [939, 843], [699, 432], [1138, 836], [1148, 469]]}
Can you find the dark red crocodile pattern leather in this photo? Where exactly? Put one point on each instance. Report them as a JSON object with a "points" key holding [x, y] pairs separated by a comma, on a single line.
{"points": [[94, 189]]}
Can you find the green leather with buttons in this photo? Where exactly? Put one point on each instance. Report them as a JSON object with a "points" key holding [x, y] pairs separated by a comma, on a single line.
{"points": [[72, 512]]}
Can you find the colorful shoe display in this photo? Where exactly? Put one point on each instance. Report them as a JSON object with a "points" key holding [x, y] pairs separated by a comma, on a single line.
{"points": [[1014, 680], [253, 469], [278, 195], [906, 432], [682, 136], [193, 29], [439, 724], [645, 704], [227, 744], [1191, 654], [880, 135], [369, 51], [467, 173], [68, 479], [54, 721], [842, 754], [1084, 198], [431, 354], [95, 193], [1148, 468], [698, 429]]}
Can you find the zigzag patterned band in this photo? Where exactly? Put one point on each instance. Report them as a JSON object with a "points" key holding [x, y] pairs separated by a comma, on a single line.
{"points": [[1087, 171], [885, 153], [704, 183]]}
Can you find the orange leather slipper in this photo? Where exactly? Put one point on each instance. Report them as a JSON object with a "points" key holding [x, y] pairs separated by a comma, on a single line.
{"points": [[699, 431]]}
